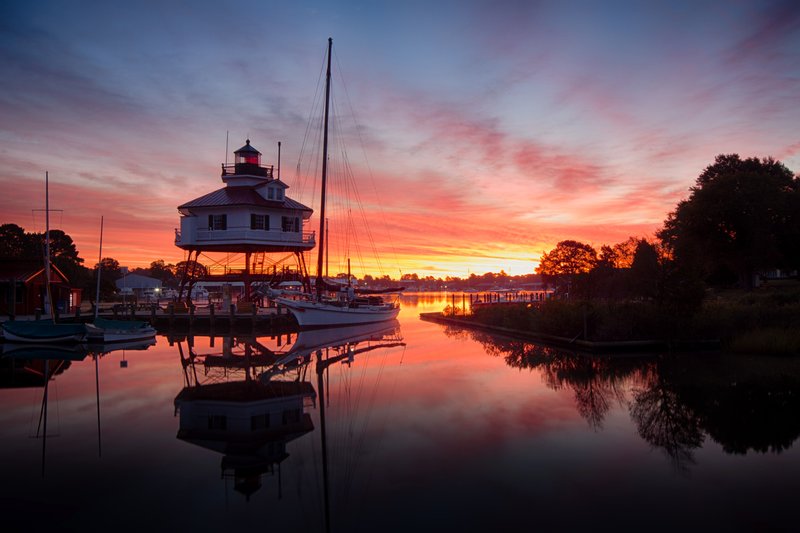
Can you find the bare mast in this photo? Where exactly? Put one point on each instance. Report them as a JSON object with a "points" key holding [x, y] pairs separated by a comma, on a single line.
{"points": [[49, 292], [324, 175]]}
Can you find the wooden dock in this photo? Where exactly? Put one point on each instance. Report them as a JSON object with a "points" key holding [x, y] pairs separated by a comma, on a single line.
{"points": [[198, 319]]}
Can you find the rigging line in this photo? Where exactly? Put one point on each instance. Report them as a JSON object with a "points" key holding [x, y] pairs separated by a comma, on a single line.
{"points": [[352, 193], [353, 426], [360, 442], [366, 158], [349, 429], [380, 432], [300, 180], [350, 176]]}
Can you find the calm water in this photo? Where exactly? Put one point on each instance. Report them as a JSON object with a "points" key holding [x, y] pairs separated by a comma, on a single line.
{"points": [[425, 428]]}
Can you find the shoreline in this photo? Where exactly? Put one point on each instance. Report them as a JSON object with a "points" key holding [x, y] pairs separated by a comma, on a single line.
{"points": [[583, 345]]}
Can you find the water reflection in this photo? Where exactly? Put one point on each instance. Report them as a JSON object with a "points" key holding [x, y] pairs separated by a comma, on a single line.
{"points": [[745, 404], [251, 399], [37, 365]]}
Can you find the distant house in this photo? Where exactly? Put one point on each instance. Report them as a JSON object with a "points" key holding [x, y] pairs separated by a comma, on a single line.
{"points": [[23, 288], [140, 286], [773, 275]]}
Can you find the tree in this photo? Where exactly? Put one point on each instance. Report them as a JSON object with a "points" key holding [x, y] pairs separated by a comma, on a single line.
{"points": [[566, 262], [625, 251], [188, 273], [14, 242], [741, 216], [567, 258], [110, 269], [645, 270], [110, 272], [163, 272]]}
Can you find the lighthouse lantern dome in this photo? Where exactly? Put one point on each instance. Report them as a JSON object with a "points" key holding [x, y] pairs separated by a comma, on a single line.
{"points": [[247, 155]]}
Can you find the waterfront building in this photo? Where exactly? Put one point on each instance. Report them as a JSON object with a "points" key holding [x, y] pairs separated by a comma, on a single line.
{"points": [[250, 217]]}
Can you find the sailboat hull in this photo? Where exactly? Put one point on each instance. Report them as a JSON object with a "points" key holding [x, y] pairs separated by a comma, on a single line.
{"points": [[104, 330], [322, 314], [42, 331]]}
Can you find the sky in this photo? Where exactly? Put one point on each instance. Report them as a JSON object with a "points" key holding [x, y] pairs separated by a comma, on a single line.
{"points": [[483, 132]]}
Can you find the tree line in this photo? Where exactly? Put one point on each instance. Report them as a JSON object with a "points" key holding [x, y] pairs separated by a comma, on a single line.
{"points": [[17, 244], [742, 217]]}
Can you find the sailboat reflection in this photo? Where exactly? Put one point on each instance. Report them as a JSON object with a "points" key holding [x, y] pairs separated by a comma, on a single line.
{"points": [[32, 365], [249, 401], [27, 365]]}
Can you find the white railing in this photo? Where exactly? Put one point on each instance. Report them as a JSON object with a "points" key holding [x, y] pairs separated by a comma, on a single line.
{"points": [[235, 234]]}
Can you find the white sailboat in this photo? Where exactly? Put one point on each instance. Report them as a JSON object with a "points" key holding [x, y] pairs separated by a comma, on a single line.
{"points": [[333, 305]]}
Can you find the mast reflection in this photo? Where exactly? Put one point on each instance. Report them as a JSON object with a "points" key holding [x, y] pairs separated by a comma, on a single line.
{"points": [[37, 365], [30, 365]]}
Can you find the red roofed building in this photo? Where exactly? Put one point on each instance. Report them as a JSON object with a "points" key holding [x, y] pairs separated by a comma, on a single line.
{"points": [[23, 288]]}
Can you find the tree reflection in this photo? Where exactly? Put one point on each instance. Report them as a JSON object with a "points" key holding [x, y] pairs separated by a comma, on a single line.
{"points": [[746, 404], [666, 422], [596, 381], [675, 401]]}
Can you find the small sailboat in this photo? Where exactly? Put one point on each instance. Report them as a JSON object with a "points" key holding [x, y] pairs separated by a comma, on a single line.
{"points": [[48, 330], [103, 330], [43, 331], [336, 305]]}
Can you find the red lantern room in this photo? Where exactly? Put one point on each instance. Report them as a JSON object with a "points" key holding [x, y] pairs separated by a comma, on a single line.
{"points": [[247, 163], [247, 155]]}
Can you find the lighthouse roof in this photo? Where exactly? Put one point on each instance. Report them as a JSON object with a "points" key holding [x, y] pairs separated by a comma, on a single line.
{"points": [[230, 196], [247, 148]]}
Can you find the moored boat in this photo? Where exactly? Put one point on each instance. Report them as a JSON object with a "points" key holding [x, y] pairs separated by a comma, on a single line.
{"points": [[330, 312], [344, 307], [105, 330], [43, 331]]}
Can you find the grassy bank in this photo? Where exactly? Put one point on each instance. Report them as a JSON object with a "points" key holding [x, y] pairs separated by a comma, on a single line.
{"points": [[763, 321]]}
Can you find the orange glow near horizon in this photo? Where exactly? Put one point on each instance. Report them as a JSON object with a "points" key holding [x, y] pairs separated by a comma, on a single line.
{"points": [[138, 231]]}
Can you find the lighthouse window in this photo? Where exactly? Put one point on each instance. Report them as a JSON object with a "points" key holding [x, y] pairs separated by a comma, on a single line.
{"points": [[217, 422], [270, 193], [259, 221], [259, 422], [291, 416], [217, 222], [279, 194]]}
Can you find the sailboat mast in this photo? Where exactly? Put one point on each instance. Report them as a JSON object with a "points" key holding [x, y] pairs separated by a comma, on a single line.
{"points": [[49, 302], [99, 270], [324, 174]]}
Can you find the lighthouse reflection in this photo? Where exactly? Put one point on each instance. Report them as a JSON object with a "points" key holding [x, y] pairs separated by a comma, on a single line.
{"points": [[251, 398]]}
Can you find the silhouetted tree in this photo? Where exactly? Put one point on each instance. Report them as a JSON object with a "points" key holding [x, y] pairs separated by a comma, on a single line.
{"points": [[625, 251], [164, 272], [741, 216], [566, 262], [188, 273], [645, 271], [15, 243], [110, 272]]}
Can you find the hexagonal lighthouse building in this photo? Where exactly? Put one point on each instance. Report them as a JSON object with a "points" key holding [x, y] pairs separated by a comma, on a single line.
{"points": [[250, 215]]}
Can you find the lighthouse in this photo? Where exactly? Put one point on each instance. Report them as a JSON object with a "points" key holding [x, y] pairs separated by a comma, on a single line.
{"points": [[251, 215]]}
